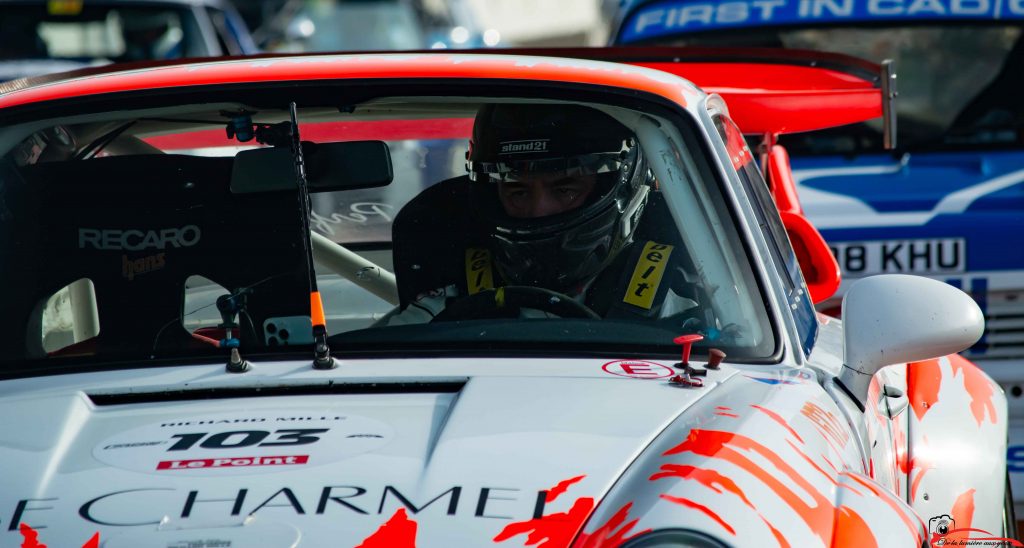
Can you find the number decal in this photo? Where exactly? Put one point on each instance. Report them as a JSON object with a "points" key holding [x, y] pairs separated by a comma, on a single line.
{"points": [[295, 436], [247, 438], [186, 441], [224, 440]]}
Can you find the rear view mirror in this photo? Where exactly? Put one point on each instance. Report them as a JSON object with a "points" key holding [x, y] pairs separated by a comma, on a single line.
{"points": [[329, 167]]}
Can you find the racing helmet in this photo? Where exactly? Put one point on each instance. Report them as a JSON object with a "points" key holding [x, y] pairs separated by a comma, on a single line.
{"points": [[149, 36], [520, 141]]}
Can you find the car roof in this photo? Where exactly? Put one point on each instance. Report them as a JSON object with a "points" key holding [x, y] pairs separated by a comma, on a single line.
{"points": [[159, 75]]}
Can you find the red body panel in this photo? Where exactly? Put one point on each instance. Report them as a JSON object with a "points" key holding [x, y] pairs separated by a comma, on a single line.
{"points": [[782, 98], [397, 66], [764, 95]]}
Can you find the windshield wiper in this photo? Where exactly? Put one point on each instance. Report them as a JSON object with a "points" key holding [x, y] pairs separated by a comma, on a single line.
{"points": [[321, 350]]}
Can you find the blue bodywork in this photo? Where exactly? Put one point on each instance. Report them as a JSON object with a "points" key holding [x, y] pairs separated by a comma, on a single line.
{"points": [[649, 20]]}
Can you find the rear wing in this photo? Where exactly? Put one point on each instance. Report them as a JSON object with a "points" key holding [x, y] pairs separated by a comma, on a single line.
{"points": [[770, 91]]}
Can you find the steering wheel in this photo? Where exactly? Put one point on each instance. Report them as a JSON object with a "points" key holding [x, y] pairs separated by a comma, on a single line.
{"points": [[505, 302]]}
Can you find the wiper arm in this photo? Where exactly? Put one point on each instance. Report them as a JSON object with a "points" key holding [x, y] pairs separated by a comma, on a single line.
{"points": [[321, 350]]}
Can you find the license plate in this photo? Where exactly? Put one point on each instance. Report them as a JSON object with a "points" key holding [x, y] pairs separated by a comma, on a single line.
{"points": [[938, 256]]}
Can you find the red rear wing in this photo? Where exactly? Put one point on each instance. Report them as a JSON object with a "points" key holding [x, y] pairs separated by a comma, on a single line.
{"points": [[770, 91]]}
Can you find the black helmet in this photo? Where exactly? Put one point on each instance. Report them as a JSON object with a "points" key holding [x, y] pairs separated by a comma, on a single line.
{"points": [[562, 250]]}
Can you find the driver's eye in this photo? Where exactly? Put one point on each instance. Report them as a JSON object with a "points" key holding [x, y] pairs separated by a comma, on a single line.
{"points": [[567, 193]]}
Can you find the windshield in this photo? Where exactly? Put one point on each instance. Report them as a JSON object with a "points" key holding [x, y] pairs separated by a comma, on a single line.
{"points": [[124, 235], [92, 32], [957, 83]]}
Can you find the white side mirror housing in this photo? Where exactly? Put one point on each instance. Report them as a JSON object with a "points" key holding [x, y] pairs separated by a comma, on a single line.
{"points": [[895, 318]]}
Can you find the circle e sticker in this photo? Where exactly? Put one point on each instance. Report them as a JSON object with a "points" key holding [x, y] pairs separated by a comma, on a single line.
{"points": [[638, 369], [243, 443]]}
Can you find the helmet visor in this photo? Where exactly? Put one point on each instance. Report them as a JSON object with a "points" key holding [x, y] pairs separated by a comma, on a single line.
{"points": [[509, 170]]}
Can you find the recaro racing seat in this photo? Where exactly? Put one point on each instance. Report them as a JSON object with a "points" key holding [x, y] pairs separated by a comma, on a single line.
{"points": [[430, 236], [138, 227]]}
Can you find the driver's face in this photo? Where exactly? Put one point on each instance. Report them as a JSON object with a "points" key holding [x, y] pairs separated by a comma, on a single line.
{"points": [[543, 195]]}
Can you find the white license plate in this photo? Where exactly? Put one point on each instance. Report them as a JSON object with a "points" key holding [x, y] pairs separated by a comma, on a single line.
{"points": [[938, 256]]}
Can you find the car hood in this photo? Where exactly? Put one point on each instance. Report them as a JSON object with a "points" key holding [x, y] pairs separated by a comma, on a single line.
{"points": [[285, 454]]}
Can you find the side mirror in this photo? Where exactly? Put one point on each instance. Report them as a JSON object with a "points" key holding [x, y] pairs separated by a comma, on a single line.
{"points": [[896, 318]]}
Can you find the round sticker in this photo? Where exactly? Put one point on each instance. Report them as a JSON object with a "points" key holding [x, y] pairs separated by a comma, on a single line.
{"points": [[638, 369], [236, 443]]}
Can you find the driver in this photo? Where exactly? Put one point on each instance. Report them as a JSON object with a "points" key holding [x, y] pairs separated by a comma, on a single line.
{"points": [[562, 189], [149, 36]]}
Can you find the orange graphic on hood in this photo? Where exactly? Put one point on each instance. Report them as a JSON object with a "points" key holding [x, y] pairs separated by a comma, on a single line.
{"points": [[613, 533], [827, 425], [819, 516], [777, 418], [398, 532], [718, 483], [851, 531], [552, 530], [559, 529], [783, 543], [562, 487], [708, 478], [30, 538], [697, 506]]}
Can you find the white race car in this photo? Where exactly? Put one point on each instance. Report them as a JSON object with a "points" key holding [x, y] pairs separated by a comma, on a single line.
{"points": [[284, 302]]}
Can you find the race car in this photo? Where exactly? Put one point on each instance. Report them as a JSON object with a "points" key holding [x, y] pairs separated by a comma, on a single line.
{"points": [[42, 37], [243, 307]]}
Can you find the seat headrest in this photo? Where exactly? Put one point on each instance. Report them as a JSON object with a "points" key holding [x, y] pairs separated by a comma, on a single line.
{"points": [[430, 235], [138, 227]]}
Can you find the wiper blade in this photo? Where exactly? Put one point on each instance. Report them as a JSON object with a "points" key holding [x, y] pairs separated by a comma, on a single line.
{"points": [[321, 350]]}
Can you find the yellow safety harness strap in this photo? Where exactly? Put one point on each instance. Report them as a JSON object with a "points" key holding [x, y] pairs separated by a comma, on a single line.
{"points": [[479, 272], [647, 274]]}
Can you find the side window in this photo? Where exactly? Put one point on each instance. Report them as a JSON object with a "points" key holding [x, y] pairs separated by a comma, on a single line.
{"points": [[199, 309], [767, 215], [771, 223], [69, 316]]}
